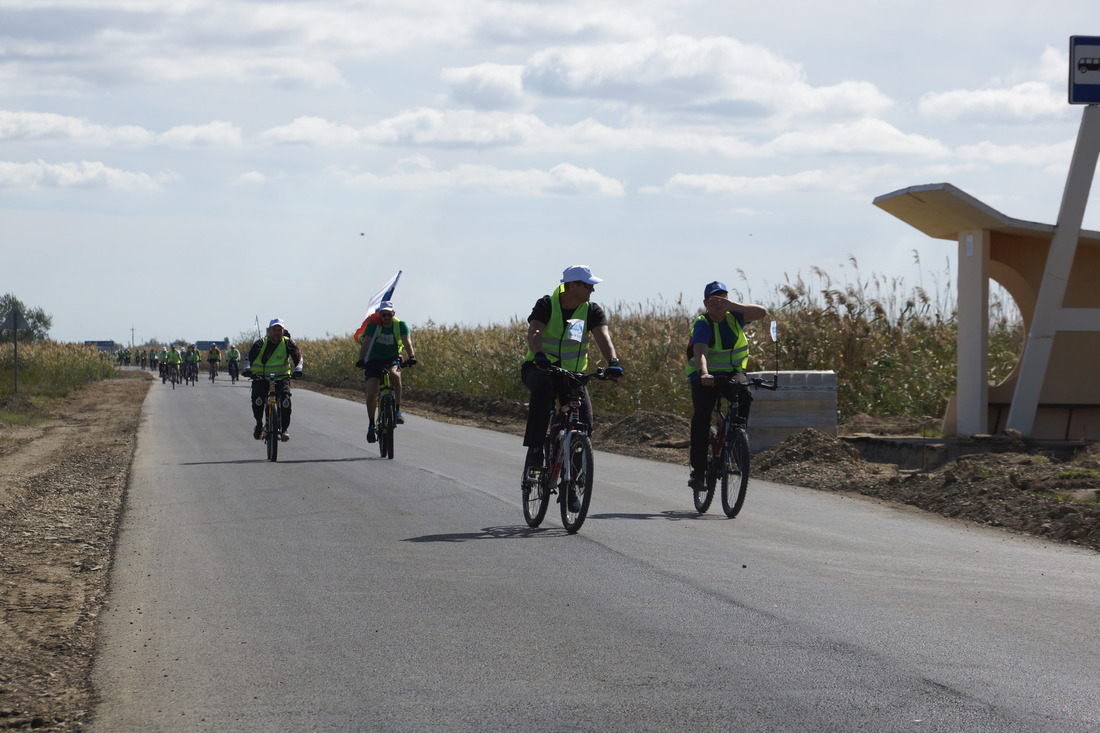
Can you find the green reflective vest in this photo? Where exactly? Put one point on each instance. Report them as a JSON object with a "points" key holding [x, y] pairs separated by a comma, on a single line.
{"points": [[723, 357], [565, 341], [277, 362]]}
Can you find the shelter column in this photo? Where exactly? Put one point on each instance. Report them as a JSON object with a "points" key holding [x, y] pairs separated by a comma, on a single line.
{"points": [[972, 365]]}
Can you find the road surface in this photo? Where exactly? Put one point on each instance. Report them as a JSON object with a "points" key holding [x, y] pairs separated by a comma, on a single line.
{"points": [[336, 591]]}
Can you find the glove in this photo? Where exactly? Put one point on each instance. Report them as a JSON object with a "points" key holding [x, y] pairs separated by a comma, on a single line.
{"points": [[411, 361], [296, 375], [360, 364], [247, 374], [614, 369], [542, 361]]}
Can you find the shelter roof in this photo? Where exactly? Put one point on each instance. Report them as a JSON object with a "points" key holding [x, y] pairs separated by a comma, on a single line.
{"points": [[942, 211]]}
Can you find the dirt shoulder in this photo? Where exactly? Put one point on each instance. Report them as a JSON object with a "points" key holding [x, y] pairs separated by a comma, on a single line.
{"points": [[62, 486], [63, 481]]}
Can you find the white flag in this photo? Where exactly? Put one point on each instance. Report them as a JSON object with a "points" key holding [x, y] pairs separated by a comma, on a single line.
{"points": [[386, 293]]}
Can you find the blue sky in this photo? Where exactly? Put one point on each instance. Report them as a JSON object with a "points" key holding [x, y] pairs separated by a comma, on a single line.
{"points": [[181, 167]]}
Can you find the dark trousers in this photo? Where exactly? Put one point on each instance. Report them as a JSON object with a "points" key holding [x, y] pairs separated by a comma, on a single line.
{"points": [[259, 395], [544, 389], [703, 400]]}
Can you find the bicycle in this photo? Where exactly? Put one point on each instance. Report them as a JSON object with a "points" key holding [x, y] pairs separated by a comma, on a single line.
{"points": [[386, 419], [172, 374], [273, 416], [213, 370], [729, 445], [234, 370], [193, 372], [570, 479]]}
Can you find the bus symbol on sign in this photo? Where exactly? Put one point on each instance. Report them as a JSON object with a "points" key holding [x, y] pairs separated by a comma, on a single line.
{"points": [[1084, 70]]}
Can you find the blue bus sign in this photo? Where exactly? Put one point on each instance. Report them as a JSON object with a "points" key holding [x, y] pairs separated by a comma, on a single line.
{"points": [[1084, 70]]}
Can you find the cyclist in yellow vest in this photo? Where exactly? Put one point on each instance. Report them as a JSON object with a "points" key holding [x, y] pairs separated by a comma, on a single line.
{"points": [[277, 354], [718, 346], [214, 358], [172, 360], [558, 333]]}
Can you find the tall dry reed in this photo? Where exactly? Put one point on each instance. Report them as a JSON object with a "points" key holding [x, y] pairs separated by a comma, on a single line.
{"points": [[891, 345]]}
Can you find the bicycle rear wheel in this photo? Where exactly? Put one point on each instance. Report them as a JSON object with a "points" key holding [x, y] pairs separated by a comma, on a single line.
{"points": [[735, 476], [385, 426], [575, 495]]}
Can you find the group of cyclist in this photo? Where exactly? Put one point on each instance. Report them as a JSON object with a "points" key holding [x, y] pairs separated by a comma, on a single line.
{"points": [[560, 328], [562, 324], [183, 362]]}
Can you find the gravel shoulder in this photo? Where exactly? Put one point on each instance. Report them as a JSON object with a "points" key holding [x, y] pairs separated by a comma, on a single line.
{"points": [[63, 486]]}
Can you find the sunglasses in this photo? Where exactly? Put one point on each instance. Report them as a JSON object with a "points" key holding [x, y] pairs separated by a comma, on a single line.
{"points": [[386, 315]]}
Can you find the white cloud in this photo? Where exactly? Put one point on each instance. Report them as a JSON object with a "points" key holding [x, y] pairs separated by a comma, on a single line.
{"points": [[250, 178], [85, 174], [313, 131], [486, 86], [556, 22], [214, 133], [561, 180], [862, 136], [457, 128], [1025, 102], [720, 74], [1055, 156], [720, 184], [45, 126]]}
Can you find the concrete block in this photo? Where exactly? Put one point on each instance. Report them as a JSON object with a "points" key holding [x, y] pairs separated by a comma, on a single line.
{"points": [[805, 399]]}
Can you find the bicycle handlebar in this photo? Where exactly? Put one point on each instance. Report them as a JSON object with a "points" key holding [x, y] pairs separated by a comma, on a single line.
{"points": [[758, 382], [580, 377]]}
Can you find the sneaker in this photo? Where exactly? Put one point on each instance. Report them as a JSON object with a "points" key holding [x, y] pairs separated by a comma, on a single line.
{"points": [[370, 434], [284, 437], [696, 481], [258, 432], [398, 418]]}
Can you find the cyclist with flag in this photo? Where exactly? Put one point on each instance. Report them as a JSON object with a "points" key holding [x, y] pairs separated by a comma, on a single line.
{"points": [[384, 342]]}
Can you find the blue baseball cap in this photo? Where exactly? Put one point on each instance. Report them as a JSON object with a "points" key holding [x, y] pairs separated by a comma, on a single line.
{"points": [[714, 287]]}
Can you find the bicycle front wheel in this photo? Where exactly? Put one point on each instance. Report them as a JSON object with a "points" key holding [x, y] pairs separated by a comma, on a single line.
{"points": [[272, 428], [704, 496], [735, 474], [536, 497], [575, 495], [385, 427]]}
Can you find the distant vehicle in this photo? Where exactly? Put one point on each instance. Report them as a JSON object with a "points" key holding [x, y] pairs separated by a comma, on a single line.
{"points": [[1089, 64]]}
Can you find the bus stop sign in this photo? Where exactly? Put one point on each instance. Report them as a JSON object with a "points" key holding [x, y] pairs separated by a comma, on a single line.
{"points": [[1084, 70]]}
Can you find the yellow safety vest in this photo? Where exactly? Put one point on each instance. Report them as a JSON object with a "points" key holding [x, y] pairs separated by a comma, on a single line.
{"points": [[723, 357], [278, 362], [566, 341]]}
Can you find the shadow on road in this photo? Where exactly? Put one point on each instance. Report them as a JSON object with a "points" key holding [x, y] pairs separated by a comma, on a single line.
{"points": [[492, 533]]}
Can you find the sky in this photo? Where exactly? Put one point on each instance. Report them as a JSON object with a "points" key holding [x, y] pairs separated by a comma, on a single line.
{"points": [[183, 168]]}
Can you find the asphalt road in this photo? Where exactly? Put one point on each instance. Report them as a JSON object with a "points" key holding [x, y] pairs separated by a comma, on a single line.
{"points": [[336, 591]]}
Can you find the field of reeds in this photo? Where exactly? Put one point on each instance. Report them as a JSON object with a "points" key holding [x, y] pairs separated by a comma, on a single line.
{"points": [[49, 370], [891, 345]]}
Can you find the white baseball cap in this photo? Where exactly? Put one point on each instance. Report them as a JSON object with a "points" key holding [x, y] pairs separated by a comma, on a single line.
{"points": [[276, 322], [580, 272]]}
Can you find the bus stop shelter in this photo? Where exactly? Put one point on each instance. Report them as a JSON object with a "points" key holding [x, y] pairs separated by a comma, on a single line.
{"points": [[1063, 404]]}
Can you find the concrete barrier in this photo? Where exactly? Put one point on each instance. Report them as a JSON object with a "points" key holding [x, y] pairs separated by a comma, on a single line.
{"points": [[804, 399]]}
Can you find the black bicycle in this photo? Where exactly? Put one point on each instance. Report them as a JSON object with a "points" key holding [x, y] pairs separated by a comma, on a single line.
{"points": [[234, 370], [272, 432], [729, 445], [386, 419], [566, 468]]}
